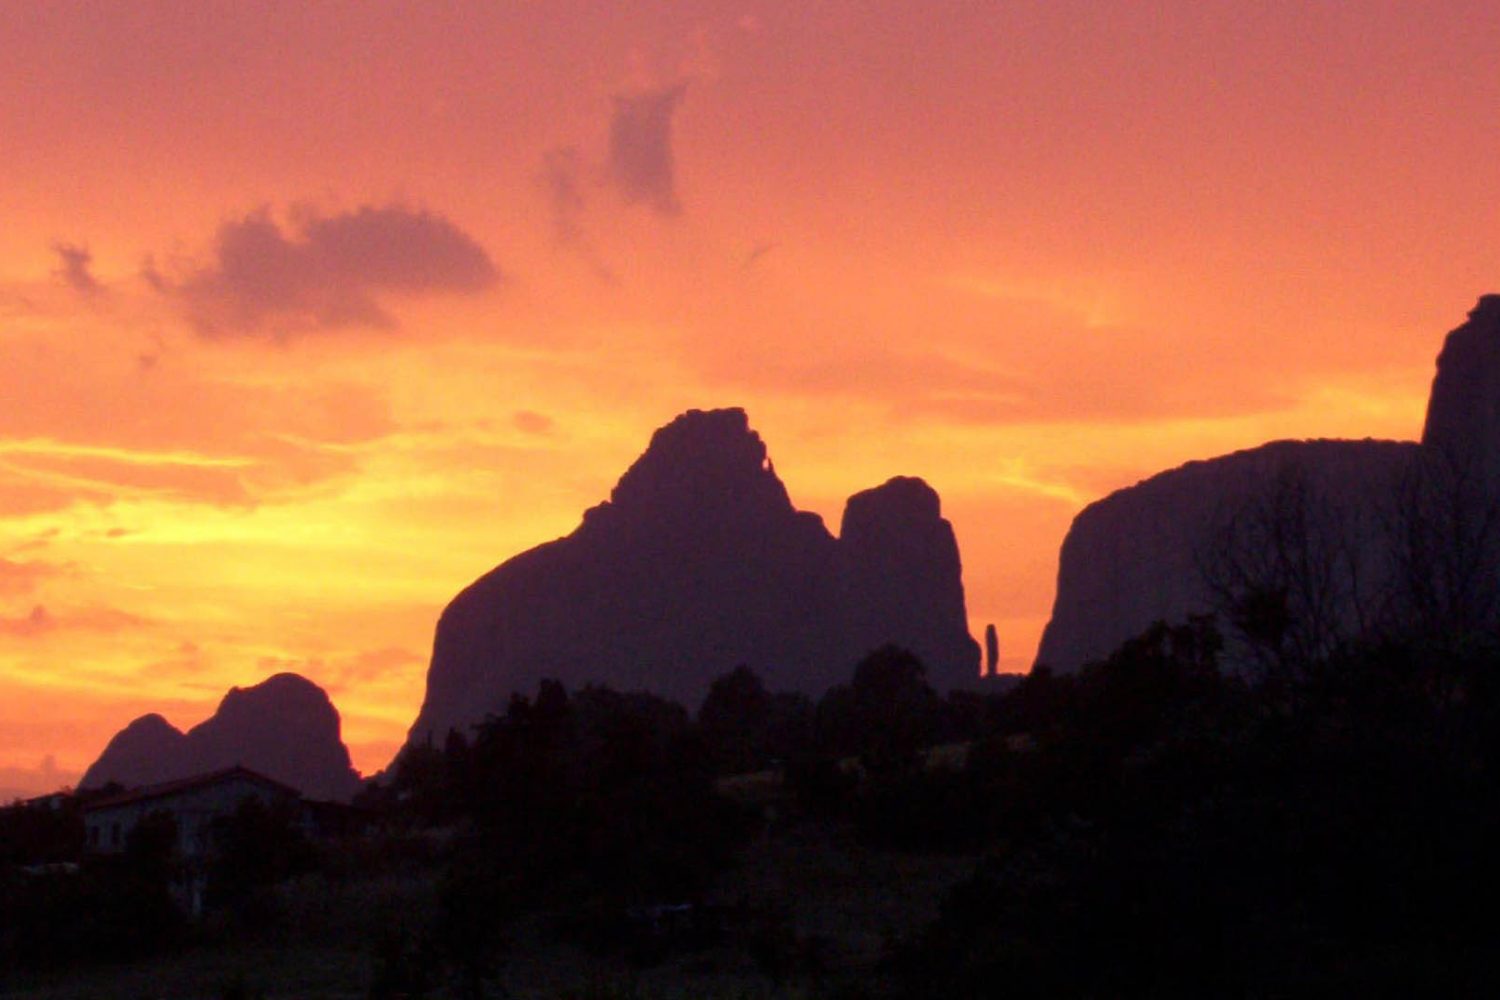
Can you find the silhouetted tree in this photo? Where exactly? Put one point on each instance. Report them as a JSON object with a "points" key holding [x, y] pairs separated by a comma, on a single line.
{"points": [[476, 900], [885, 715], [1446, 530], [1296, 572], [405, 962], [41, 832], [589, 803], [1176, 832], [422, 781], [253, 849], [151, 846], [735, 720]]}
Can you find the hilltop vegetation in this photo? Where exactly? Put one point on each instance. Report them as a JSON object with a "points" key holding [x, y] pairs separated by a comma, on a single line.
{"points": [[1149, 826]]}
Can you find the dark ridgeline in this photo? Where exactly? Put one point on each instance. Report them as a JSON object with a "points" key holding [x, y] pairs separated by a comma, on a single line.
{"points": [[1304, 544], [284, 727], [698, 563]]}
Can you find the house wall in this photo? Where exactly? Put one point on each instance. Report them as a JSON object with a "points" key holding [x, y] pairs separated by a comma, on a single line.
{"points": [[194, 810]]}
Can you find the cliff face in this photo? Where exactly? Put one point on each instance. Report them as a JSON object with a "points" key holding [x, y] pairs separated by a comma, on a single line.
{"points": [[903, 577], [285, 728], [1166, 548], [1371, 513], [1463, 412], [699, 563]]}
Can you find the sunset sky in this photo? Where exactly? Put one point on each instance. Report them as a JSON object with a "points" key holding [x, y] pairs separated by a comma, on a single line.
{"points": [[311, 313]]}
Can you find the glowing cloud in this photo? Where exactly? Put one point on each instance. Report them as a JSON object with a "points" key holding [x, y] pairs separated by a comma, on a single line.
{"points": [[22, 577], [97, 619]]}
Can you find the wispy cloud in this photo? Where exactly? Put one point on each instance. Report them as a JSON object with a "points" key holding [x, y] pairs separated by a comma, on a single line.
{"points": [[128, 456], [17, 578], [562, 178], [75, 268], [531, 422], [341, 673], [40, 621], [20, 782]]}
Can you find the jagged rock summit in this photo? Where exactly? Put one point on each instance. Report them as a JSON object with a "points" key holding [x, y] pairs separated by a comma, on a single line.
{"points": [[1384, 526], [284, 727], [699, 563]]}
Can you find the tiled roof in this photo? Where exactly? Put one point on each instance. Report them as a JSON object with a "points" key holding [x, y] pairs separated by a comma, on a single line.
{"points": [[197, 781]]}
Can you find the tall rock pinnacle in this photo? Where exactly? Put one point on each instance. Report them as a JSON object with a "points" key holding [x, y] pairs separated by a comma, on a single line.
{"points": [[904, 577]]}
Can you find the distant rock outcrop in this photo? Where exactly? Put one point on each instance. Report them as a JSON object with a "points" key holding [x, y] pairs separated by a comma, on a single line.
{"points": [[1154, 551], [1373, 522], [699, 563], [285, 728], [903, 580], [139, 754], [1463, 412]]}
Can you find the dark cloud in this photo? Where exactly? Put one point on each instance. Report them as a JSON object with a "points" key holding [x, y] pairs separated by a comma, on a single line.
{"points": [[73, 268], [325, 271], [641, 163]]}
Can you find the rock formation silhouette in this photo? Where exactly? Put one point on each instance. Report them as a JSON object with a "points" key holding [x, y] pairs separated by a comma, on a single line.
{"points": [[1300, 545], [143, 753], [1463, 411], [698, 563], [284, 727]]}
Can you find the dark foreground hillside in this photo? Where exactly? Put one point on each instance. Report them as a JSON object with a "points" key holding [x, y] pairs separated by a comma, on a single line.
{"points": [[1148, 827]]}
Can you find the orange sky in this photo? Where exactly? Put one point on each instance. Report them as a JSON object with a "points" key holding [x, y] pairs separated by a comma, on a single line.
{"points": [[312, 313]]}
